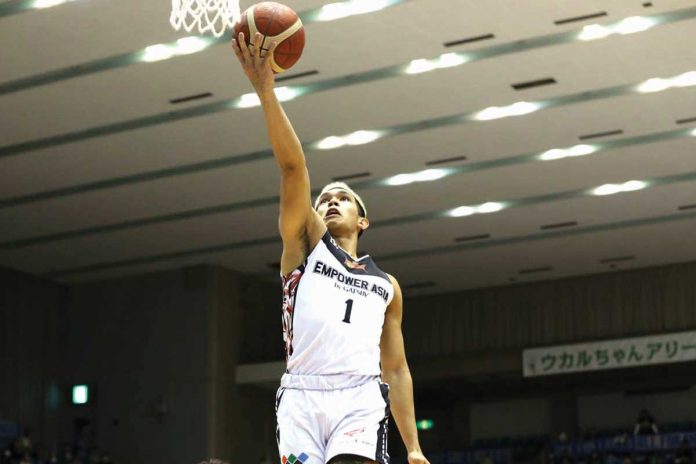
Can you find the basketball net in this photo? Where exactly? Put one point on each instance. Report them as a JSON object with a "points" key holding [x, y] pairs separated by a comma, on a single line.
{"points": [[213, 16]]}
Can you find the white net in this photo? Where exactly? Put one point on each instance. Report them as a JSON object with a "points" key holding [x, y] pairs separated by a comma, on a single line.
{"points": [[207, 16]]}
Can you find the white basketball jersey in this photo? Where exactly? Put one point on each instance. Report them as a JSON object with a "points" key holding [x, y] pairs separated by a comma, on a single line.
{"points": [[333, 312]]}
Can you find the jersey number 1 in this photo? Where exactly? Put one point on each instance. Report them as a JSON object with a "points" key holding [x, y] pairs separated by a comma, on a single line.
{"points": [[349, 308]]}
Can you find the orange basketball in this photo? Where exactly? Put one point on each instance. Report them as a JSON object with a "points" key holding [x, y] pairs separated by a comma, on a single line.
{"points": [[276, 23]]}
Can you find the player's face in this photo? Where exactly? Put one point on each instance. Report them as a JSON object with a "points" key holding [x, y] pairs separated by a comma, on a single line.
{"points": [[339, 210]]}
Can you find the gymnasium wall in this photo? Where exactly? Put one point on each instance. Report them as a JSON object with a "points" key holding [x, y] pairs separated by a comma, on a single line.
{"points": [[31, 318], [601, 306], [616, 410], [159, 352], [510, 418], [162, 350]]}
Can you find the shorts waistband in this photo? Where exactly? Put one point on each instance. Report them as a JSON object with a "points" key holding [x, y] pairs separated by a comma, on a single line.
{"points": [[324, 382]]}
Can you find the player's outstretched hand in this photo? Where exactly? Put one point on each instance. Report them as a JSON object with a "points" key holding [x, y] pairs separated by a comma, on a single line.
{"points": [[256, 64], [416, 457]]}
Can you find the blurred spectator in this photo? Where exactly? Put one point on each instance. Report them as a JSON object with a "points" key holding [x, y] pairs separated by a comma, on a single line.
{"points": [[684, 454], [565, 457], [594, 458], [645, 424], [23, 445]]}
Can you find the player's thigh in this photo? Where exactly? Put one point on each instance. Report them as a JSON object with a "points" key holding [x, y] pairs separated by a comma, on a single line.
{"points": [[360, 429], [350, 459], [297, 432]]}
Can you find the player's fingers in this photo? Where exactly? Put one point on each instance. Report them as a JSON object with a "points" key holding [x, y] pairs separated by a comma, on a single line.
{"points": [[257, 42], [244, 49], [237, 51], [269, 53]]}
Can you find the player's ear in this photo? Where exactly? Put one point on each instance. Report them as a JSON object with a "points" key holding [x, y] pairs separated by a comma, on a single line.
{"points": [[363, 223]]}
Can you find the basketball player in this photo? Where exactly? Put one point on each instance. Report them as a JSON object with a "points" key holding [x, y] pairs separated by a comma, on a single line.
{"points": [[341, 313]]}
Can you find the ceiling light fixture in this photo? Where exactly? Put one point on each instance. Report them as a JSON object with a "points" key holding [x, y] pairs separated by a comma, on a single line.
{"points": [[158, 52], [360, 137], [47, 3], [516, 109], [593, 32], [658, 84], [426, 175], [611, 189], [188, 45], [490, 207], [560, 153], [286, 93], [462, 211], [333, 11], [628, 25], [248, 100], [634, 24]]}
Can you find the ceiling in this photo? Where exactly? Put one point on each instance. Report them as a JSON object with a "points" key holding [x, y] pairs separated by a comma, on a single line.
{"points": [[102, 176]]}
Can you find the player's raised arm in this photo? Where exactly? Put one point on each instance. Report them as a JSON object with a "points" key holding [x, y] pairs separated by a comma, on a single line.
{"points": [[300, 226]]}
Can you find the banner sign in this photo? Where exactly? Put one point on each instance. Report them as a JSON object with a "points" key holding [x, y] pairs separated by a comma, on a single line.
{"points": [[610, 354]]}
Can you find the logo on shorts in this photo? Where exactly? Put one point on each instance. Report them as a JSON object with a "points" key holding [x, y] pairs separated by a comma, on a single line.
{"points": [[292, 459], [355, 432]]}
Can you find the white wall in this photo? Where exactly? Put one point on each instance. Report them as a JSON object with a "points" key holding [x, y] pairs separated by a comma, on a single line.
{"points": [[510, 418], [617, 410]]}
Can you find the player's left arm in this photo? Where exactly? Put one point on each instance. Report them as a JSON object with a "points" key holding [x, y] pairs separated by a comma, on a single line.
{"points": [[396, 373]]}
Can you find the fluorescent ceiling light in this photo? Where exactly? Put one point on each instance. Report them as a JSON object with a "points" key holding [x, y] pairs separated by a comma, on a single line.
{"points": [[654, 85], [362, 137], [560, 153], [47, 3], [610, 189], [606, 189], [333, 11], [462, 211], [693, 132], [634, 24], [285, 93], [249, 100], [520, 108], [448, 60], [516, 109], [420, 66], [157, 53], [684, 80], [658, 84], [490, 207], [594, 31], [429, 175], [400, 179], [187, 45], [628, 25], [553, 154], [331, 142], [633, 185], [581, 150]]}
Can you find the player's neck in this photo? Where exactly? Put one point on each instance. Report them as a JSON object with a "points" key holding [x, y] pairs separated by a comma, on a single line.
{"points": [[349, 244]]}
